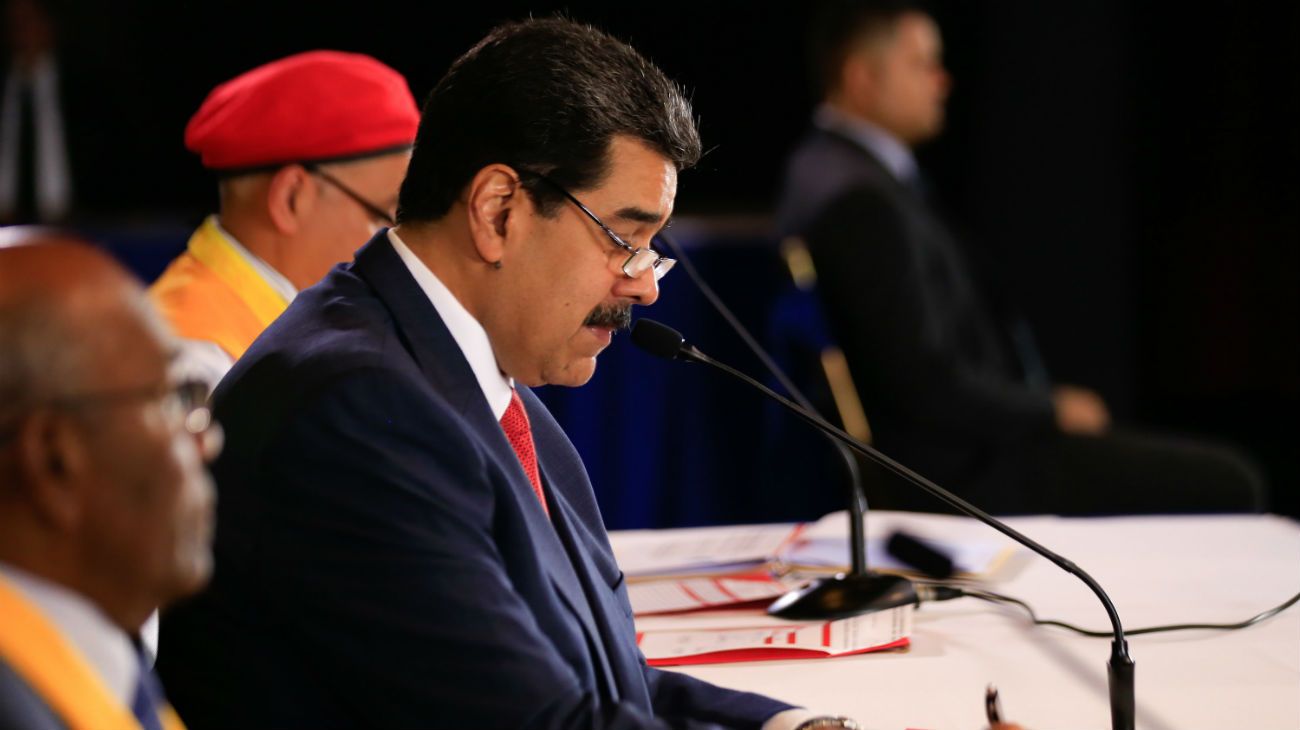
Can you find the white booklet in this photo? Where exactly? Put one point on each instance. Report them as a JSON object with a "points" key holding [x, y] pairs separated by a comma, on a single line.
{"points": [[763, 638]]}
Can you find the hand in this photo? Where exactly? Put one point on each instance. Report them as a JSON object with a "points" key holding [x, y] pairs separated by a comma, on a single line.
{"points": [[1080, 411]]}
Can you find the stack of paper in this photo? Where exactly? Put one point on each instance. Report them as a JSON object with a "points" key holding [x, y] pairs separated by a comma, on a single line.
{"points": [[713, 567], [700, 551], [778, 640], [672, 595]]}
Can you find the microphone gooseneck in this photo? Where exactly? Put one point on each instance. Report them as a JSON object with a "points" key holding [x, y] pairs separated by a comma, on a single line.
{"points": [[670, 344], [833, 597], [853, 476]]}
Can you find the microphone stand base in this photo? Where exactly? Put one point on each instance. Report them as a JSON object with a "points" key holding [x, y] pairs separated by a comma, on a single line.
{"points": [[843, 596]]}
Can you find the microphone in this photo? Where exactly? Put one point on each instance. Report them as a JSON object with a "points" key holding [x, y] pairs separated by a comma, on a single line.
{"points": [[916, 553], [660, 340], [663, 341], [839, 596]]}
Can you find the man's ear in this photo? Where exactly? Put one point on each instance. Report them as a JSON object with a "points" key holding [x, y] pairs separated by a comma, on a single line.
{"points": [[495, 204], [290, 197], [858, 77], [52, 461]]}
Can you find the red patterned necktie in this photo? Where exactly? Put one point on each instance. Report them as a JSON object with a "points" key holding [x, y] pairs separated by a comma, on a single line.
{"points": [[520, 434]]}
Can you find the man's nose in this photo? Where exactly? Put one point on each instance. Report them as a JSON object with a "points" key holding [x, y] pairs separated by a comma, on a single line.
{"points": [[642, 290], [209, 438], [945, 81]]}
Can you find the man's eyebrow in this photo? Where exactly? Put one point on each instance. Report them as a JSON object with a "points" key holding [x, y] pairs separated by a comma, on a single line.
{"points": [[639, 215]]}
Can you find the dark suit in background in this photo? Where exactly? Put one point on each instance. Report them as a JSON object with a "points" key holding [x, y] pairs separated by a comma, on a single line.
{"points": [[953, 387], [95, 125], [382, 560]]}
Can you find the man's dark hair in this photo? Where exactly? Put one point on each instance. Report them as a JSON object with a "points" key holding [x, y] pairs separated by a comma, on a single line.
{"points": [[838, 26], [544, 96]]}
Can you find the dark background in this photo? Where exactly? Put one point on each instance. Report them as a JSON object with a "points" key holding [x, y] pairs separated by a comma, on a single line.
{"points": [[1132, 164]]}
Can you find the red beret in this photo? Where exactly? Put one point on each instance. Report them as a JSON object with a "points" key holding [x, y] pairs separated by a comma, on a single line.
{"points": [[309, 107]]}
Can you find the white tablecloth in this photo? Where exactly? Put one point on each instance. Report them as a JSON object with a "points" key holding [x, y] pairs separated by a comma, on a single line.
{"points": [[1158, 570]]}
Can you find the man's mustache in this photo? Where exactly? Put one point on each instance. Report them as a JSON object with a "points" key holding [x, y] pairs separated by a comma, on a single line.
{"points": [[617, 317]]}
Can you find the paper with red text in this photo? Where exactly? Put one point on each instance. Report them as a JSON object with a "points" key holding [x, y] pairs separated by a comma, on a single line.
{"points": [[779, 640]]}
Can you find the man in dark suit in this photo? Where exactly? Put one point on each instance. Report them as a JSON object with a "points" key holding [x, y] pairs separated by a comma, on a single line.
{"points": [[950, 379], [405, 536]]}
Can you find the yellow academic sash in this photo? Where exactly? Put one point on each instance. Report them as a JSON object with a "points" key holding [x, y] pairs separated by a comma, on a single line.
{"points": [[211, 292], [56, 671], [214, 251]]}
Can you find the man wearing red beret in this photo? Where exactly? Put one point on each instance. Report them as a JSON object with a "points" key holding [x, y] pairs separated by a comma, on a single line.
{"points": [[310, 151]]}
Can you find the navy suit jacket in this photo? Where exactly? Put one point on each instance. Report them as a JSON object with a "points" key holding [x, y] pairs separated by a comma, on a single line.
{"points": [[941, 367], [381, 558]]}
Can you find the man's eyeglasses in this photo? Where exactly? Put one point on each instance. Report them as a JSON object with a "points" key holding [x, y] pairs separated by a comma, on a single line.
{"points": [[184, 405], [375, 211], [639, 260]]}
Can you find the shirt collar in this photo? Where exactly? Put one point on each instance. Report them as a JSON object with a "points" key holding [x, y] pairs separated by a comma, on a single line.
{"points": [[103, 644], [275, 279], [895, 155], [465, 330]]}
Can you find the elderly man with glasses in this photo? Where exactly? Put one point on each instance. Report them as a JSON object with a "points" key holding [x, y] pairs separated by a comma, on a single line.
{"points": [[310, 151], [105, 507]]}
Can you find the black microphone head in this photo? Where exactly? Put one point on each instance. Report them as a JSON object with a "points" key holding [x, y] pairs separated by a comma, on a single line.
{"points": [[920, 555], [658, 339]]}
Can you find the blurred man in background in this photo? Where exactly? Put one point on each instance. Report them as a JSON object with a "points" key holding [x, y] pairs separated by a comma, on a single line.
{"points": [[69, 126], [310, 151], [950, 377], [105, 508], [35, 177]]}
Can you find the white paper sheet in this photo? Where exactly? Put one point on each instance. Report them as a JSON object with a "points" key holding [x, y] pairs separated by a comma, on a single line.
{"points": [[667, 595], [706, 550]]}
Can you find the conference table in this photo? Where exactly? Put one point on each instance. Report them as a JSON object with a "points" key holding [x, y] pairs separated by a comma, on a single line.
{"points": [[1157, 570]]}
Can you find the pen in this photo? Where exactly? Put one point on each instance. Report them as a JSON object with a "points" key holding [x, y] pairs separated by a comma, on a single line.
{"points": [[991, 707]]}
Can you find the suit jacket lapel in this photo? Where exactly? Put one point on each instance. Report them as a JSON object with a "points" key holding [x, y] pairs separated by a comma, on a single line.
{"points": [[869, 157], [574, 511], [417, 323], [439, 358]]}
